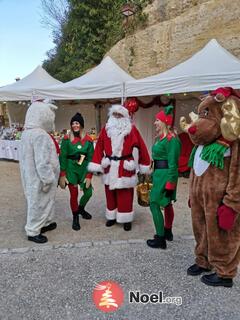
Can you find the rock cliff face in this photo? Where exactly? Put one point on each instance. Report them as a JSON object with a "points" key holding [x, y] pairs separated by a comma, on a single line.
{"points": [[176, 30]]}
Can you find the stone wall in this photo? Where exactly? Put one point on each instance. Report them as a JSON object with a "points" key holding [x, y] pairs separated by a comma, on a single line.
{"points": [[176, 30]]}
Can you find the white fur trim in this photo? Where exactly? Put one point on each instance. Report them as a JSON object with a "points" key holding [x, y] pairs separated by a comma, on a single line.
{"points": [[144, 169], [105, 162], [95, 167], [111, 214], [119, 109], [129, 165], [123, 217], [120, 183]]}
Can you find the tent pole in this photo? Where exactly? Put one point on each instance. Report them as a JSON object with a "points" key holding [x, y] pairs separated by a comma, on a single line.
{"points": [[98, 117], [123, 93]]}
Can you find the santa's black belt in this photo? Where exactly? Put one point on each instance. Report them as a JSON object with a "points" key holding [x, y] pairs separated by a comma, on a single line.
{"points": [[160, 164], [115, 158]]}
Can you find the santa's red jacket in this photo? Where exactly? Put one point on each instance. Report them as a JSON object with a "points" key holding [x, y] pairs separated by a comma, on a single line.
{"points": [[119, 171]]}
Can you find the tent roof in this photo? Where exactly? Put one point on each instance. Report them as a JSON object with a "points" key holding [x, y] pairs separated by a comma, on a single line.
{"points": [[213, 66], [104, 81], [24, 88]]}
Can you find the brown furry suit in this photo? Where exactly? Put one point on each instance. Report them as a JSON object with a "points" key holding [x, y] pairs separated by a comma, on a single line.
{"points": [[215, 248]]}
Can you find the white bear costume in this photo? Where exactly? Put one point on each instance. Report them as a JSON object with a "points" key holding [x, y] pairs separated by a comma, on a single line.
{"points": [[39, 166]]}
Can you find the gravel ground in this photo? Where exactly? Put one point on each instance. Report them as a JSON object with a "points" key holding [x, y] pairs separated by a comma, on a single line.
{"points": [[58, 283], [55, 281], [13, 214]]}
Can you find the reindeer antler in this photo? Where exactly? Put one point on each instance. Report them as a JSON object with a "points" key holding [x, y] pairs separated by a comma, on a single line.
{"points": [[230, 123]]}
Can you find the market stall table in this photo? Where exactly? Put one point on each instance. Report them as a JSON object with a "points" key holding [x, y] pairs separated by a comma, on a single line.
{"points": [[9, 149]]}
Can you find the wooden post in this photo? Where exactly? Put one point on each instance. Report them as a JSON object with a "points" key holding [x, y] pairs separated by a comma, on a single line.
{"points": [[2, 119]]}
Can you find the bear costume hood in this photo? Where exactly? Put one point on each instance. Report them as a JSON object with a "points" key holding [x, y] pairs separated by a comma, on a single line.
{"points": [[40, 115]]}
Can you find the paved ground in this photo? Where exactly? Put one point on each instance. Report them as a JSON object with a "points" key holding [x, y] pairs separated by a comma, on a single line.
{"points": [[56, 280]]}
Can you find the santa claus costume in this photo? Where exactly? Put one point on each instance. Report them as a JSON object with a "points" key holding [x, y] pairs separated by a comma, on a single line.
{"points": [[113, 156]]}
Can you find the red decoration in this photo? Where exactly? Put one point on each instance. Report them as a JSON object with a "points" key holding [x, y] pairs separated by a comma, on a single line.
{"points": [[155, 101], [132, 105], [135, 103]]}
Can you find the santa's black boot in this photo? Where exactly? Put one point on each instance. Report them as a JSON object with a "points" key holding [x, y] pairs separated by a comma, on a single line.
{"points": [[85, 215], [127, 226], [168, 235], [157, 242], [75, 223], [110, 223]]}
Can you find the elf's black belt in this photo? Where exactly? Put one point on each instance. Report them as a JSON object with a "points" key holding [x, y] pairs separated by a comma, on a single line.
{"points": [[115, 158], [160, 164], [74, 156]]}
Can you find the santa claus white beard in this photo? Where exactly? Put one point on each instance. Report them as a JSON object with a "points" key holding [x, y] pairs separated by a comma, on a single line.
{"points": [[117, 129]]}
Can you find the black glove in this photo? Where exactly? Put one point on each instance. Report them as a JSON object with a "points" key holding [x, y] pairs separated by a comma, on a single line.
{"points": [[169, 193]]}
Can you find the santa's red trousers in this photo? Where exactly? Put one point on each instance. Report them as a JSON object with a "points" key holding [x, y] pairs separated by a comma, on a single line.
{"points": [[120, 200]]}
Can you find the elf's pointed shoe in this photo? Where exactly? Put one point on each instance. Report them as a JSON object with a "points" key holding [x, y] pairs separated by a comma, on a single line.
{"points": [[85, 215], [157, 242], [75, 223]]}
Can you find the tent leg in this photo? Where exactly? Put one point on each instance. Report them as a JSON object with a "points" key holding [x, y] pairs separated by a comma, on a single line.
{"points": [[98, 117]]}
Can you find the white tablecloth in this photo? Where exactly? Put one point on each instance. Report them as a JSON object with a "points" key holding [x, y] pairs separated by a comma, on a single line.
{"points": [[9, 149]]}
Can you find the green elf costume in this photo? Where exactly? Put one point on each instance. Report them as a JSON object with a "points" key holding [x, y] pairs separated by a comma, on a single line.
{"points": [[76, 153], [165, 155]]}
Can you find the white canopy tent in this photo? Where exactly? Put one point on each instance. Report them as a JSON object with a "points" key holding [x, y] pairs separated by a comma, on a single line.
{"points": [[211, 67], [105, 81], [25, 88]]}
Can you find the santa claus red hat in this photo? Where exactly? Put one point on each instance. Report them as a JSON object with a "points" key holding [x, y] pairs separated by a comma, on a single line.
{"points": [[166, 115]]}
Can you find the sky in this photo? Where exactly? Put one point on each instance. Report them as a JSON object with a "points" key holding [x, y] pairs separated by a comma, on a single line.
{"points": [[24, 41]]}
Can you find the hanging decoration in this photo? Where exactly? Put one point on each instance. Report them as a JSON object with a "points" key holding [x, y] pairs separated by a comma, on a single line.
{"points": [[161, 101], [132, 105]]}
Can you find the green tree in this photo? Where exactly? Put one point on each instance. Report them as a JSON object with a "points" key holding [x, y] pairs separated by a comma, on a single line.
{"points": [[92, 27]]}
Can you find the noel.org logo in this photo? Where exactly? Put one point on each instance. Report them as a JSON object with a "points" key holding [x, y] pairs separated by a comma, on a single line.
{"points": [[108, 296]]}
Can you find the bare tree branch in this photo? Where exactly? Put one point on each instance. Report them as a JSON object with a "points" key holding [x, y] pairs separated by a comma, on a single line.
{"points": [[55, 14]]}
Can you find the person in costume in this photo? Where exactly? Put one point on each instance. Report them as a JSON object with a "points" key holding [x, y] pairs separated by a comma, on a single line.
{"points": [[76, 152], [165, 155], [113, 156], [215, 187], [39, 166]]}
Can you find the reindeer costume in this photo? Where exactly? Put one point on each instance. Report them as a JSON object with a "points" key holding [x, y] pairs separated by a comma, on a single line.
{"points": [[215, 187]]}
